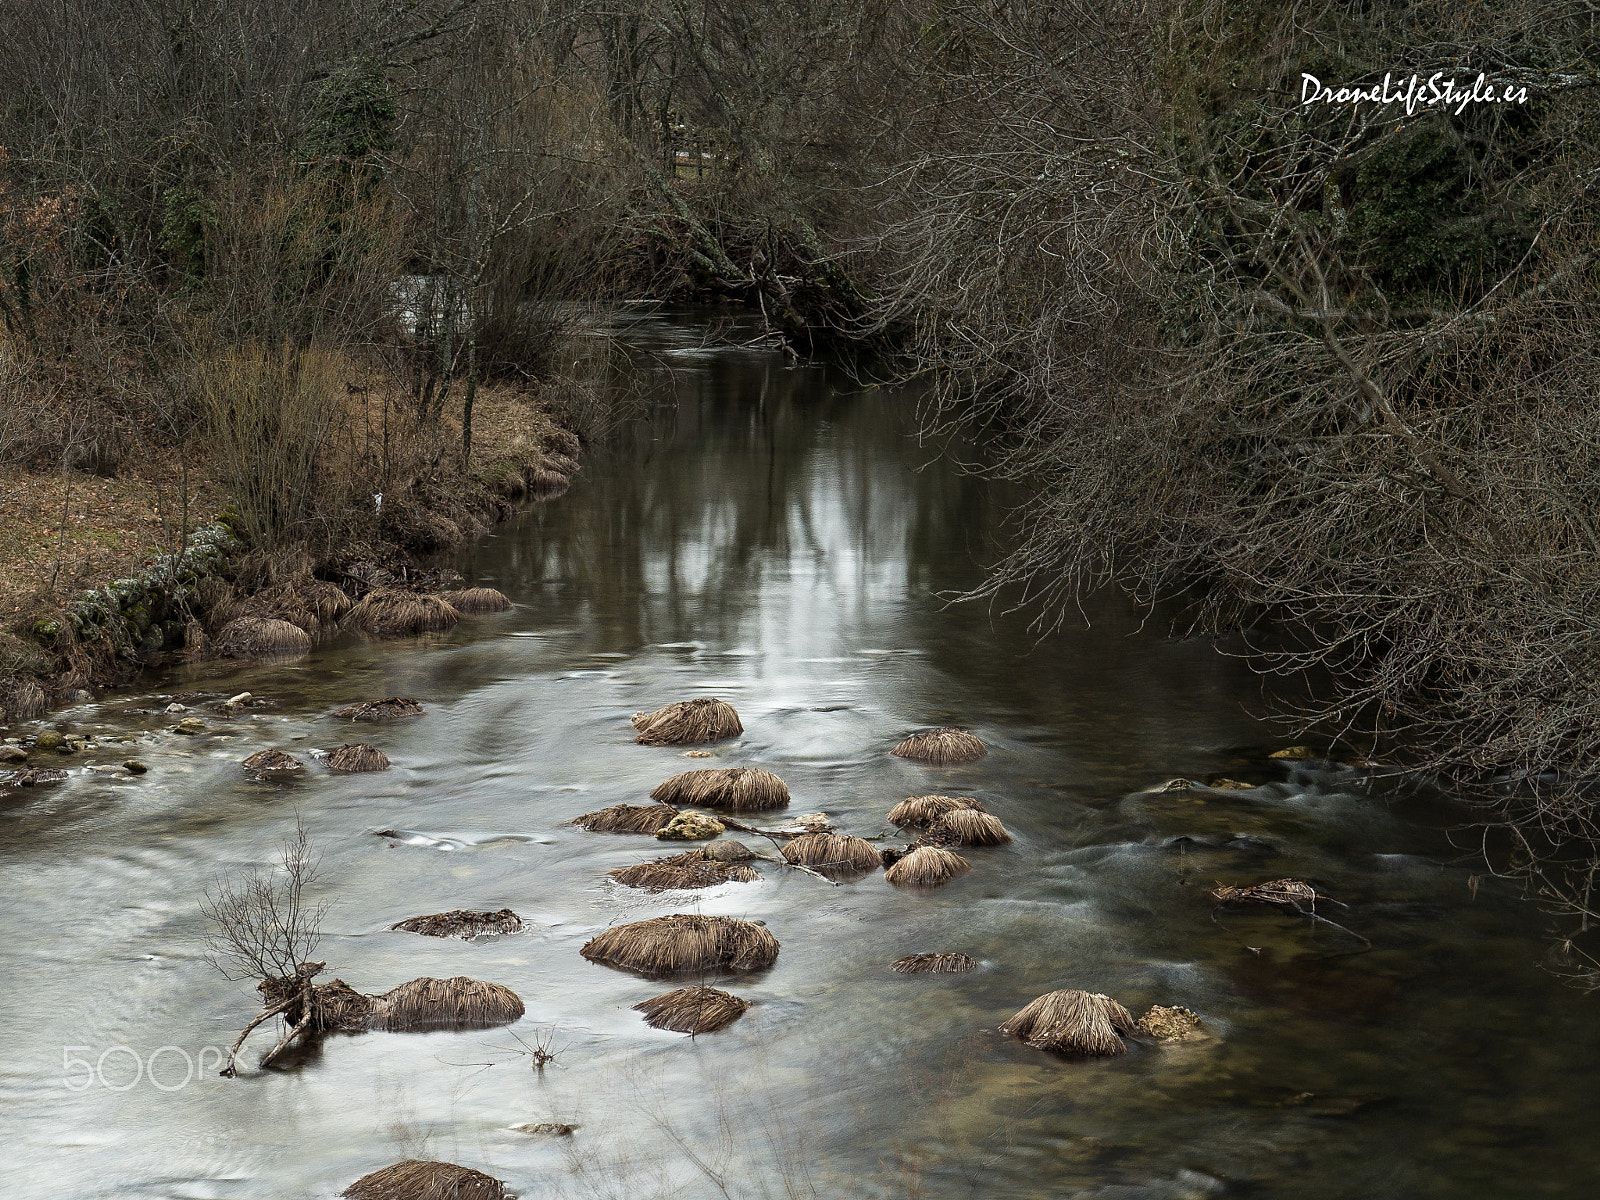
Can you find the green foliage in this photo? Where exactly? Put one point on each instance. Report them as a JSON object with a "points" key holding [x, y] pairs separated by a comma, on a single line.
{"points": [[1421, 220], [353, 115], [186, 215]]}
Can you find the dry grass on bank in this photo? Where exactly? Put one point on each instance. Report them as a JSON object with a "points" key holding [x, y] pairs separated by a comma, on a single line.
{"points": [[113, 528], [64, 531]]}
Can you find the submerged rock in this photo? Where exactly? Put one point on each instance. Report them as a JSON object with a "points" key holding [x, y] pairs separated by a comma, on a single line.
{"points": [[13, 754], [1175, 1024], [553, 1128], [190, 726], [135, 767]]}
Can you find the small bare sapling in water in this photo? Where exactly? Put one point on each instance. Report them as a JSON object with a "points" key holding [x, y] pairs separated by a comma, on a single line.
{"points": [[262, 927]]}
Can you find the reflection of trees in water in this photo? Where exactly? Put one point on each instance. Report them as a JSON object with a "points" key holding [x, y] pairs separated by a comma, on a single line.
{"points": [[789, 510], [747, 472]]}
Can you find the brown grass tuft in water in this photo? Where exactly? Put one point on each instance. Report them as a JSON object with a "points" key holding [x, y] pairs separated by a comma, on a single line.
{"points": [[458, 1003], [683, 942], [547, 484], [391, 708], [628, 818], [833, 852], [692, 1010], [934, 964], [461, 923], [1073, 1022], [963, 827], [688, 723], [394, 612], [355, 757], [927, 866], [924, 810], [273, 762], [696, 869], [477, 600], [737, 789], [415, 1179], [942, 746], [256, 637]]}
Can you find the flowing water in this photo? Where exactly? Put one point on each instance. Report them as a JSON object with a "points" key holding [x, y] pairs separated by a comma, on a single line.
{"points": [[773, 536]]}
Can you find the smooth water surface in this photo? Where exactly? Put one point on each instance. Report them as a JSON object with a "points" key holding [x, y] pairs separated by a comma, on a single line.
{"points": [[775, 537]]}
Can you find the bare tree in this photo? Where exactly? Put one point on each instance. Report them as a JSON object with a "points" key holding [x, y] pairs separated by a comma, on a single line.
{"points": [[263, 928]]}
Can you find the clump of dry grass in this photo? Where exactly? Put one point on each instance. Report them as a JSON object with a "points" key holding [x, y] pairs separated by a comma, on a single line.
{"points": [[1073, 1022], [328, 602], [354, 757], [924, 810], [688, 723], [461, 923], [833, 853], [927, 866], [415, 1179], [964, 827], [458, 1003], [934, 964], [394, 612], [696, 869], [391, 708], [737, 789], [692, 1010], [477, 600], [273, 762], [628, 818], [547, 484], [257, 637], [942, 746], [683, 942]]}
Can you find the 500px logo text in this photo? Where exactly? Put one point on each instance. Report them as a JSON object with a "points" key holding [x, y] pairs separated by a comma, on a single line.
{"points": [[120, 1068]]}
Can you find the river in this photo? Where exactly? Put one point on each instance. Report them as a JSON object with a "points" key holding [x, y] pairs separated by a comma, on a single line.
{"points": [[774, 536]]}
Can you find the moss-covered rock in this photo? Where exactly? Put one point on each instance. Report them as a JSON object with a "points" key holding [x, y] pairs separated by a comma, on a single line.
{"points": [[691, 827], [49, 739]]}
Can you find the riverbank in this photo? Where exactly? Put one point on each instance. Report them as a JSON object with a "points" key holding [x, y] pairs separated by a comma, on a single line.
{"points": [[102, 575]]}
